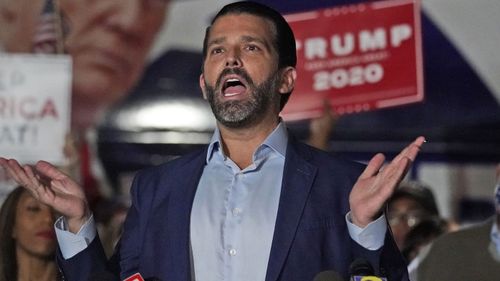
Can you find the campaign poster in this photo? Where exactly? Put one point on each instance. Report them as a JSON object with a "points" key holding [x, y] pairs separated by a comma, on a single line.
{"points": [[357, 58], [34, 106]]}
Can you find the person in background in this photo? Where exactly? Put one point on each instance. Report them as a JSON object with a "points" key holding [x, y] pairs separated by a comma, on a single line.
{"points": [[107, 40], [419, 241], [255, 203], [27, 239], [422, 235], [415, 221], [409, 204], [472, 253], [18, 21], [320, 128]]}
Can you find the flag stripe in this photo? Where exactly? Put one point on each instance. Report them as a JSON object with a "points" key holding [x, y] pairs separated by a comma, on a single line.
{"points": [[45, 39]]}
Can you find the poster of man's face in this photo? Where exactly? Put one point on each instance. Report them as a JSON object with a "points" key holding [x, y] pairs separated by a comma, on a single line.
{"points": [[108, 42]]}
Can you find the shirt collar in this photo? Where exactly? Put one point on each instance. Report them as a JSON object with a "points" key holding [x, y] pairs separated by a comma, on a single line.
{"points": [[277, 141]]}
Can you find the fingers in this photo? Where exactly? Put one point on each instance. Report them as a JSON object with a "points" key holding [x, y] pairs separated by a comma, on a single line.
{"points": [[373, 166], [15, 170], [5, 164], [59, 181], [31, 178], [394, 173], [49, 171], [411, 150], [398, 166], [47, 180], [401, 163], [23, 175]]}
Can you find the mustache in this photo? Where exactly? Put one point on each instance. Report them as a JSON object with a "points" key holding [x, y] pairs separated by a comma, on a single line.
{"points": [[237, 71]]}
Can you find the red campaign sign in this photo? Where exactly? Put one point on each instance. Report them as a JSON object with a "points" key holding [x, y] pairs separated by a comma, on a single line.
{"points": [[357, 57]]}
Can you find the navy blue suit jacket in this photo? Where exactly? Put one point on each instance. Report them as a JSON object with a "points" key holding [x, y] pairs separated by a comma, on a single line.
{"points": [[310, 234]]}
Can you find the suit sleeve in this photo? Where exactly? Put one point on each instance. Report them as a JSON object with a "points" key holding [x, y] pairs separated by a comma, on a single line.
{"points": [[85, 264], [92, 263], [386, 261]]}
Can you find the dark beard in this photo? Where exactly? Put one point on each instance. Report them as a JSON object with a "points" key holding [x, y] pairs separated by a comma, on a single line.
{"points": [[241, 114]]}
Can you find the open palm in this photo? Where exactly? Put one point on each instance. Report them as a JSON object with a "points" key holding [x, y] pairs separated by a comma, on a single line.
{"points": [[52, 187], [375, 186]]}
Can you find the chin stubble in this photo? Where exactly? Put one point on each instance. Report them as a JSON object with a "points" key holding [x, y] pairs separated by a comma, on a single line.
{"points": [[244, 113]]}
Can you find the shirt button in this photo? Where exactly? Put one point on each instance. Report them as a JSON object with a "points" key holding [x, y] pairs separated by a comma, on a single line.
{"points": [[232, 252], [236, 212]]}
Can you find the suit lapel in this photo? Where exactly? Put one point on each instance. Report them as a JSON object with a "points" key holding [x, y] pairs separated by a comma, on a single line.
{"points": [[298, 176], [179, 217]]}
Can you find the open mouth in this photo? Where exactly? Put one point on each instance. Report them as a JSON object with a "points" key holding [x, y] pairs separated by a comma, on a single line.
{"points": [[233, 86]]}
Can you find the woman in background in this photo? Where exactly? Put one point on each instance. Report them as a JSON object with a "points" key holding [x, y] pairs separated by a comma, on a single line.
{"points": [[27, 239]]}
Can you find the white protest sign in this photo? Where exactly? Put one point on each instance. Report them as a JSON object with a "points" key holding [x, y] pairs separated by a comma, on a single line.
{"points": [[35, 99]]}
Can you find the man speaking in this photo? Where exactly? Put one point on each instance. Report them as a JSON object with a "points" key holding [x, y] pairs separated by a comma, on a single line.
{"points": [[254, 204]]}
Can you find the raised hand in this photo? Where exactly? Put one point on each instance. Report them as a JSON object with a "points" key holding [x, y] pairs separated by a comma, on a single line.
{"points": [[320, 129], [52, 187], [375, 186]]}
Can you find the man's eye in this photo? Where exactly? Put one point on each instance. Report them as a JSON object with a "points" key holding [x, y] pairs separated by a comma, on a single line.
{"points": [[252, 48], [216, 51]]}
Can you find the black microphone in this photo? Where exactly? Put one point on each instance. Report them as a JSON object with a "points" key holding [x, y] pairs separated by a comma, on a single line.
{"points": [[361, 266], [362, 270], [328, 275]]}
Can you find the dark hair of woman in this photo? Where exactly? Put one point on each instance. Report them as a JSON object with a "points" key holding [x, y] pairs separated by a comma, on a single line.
{"points": [[27, 239], [8, 261]]}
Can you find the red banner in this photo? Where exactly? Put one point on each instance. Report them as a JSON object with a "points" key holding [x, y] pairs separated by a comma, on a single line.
{"points": [[357, 58]]}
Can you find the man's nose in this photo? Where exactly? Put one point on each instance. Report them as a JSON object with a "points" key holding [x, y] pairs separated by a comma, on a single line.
{"points": [[127, 16], [233, 58]]}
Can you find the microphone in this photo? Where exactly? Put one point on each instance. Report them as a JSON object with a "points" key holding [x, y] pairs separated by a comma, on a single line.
{"points": [[362, 270], [328, 275]]}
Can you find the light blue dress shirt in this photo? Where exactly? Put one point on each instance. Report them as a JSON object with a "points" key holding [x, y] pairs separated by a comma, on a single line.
{"points": [[233, 215], [234, 212]]}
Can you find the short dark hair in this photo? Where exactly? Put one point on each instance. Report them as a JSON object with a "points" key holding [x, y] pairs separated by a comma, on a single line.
{"points": [[284, 42], [419, 192]]}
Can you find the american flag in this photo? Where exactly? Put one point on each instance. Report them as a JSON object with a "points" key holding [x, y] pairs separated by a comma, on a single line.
{"points": [[48, 31]]}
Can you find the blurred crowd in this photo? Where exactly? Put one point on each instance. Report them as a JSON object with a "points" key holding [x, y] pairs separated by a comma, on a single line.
{"points": [[435, 248]]}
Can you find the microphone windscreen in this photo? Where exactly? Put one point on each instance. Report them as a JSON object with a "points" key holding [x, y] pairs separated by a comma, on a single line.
{"points": [[361, 266]]}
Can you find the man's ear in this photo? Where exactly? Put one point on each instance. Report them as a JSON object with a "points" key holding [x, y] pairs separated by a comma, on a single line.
{"points": [[202, 86], [288, 77]]}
